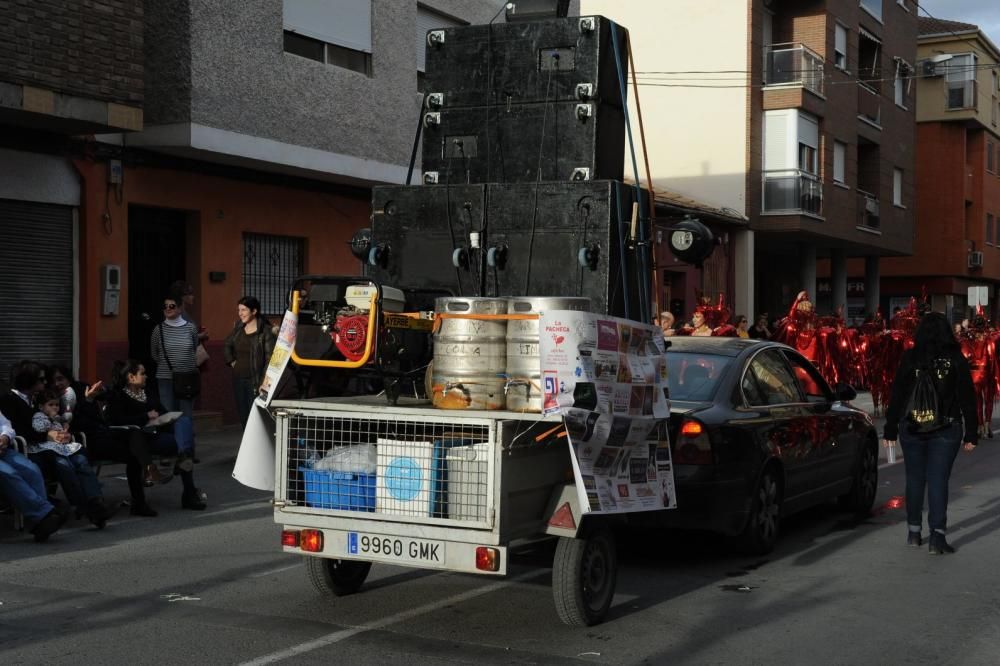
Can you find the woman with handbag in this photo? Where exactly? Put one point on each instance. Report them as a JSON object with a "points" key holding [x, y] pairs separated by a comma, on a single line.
{"points": [[173, 345], [247, 351], [932, 411], [130, 407]]}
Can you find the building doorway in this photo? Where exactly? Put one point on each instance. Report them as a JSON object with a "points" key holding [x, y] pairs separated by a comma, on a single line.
{"points": [[157, 256]]}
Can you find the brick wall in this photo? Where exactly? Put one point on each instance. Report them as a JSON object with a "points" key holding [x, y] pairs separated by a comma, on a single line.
{"points": [[86, 48]]}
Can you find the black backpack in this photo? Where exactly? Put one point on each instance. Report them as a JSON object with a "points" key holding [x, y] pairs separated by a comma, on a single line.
{"points": [[923, 410]]}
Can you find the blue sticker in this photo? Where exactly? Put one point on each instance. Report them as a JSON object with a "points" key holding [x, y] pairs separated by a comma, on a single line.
{"points": [[403, 479], [352, 543]]}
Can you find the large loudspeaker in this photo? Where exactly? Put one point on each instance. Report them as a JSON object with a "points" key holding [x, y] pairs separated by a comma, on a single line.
{"points": [[514, 239], [524, 143], [518, 63], [568, 239], [417, 230]]}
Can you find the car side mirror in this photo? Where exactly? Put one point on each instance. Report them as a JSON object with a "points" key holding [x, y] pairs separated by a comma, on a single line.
{"points": [[845, 392]]}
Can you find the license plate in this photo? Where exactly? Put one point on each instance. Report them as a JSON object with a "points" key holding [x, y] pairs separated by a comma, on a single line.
{"points": [[399, 549]]}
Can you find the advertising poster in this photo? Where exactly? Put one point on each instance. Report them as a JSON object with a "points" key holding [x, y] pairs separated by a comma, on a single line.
{"points": [[607, 377]]}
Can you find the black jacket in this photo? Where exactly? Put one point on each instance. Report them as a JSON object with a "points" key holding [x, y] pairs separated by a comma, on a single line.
{"points": [[261, 346], [123, 409], [956, 394], [20, 413]]}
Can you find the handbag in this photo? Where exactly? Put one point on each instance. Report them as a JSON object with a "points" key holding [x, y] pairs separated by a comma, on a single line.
{"points": [[187, 385], [201, 355]]}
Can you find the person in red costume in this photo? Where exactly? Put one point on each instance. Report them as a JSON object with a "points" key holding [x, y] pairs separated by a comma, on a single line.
{"points": [[979, 346], [710, 320], [798, 329]]}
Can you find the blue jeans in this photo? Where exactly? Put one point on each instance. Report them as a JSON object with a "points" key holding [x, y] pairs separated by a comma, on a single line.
{"points": [[21, 482], [74, 474], [928, 460], [173, 404], [180, 441]]}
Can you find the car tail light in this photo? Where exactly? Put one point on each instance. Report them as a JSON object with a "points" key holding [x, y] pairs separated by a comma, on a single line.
{"points": [[487, 559], [312, 541], [290, 538], [692, 446]]}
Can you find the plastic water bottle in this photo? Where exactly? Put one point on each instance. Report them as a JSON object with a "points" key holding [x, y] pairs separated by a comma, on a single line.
{"points": [[890, 453]]}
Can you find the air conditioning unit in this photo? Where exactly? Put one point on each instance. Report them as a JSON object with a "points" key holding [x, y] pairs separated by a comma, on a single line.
{"points": [[976, 259], [871, 206], [928, 68]]}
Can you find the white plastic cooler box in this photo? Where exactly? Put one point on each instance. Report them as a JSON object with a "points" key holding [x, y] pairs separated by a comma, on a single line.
{"points": [[442, 478]]}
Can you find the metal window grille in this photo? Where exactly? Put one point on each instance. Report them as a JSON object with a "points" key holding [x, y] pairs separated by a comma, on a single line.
{"points": [[270, 265], [390, 466]]}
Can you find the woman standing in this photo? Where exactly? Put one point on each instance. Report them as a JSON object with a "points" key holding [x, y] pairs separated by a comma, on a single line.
{"points": [[129, 406], [928, 456], [247, 351], [173, 344]]}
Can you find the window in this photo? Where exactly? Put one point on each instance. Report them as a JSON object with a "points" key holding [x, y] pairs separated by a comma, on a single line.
{"points": [[807, 158], [873, 7], [768, 381], [901, 84], [990, 238], [791, 169], [270, 265], [840, 47], [870, 60], [897, 187], [989, 156], [960, 81], [839, 162], [812, 385], [338, 35], [995, 109]]}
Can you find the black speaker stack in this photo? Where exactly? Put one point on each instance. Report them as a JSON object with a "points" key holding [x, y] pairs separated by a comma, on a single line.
{"points": [[523, 142]]}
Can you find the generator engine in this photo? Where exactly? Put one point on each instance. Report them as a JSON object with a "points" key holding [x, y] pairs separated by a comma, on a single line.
{"points": [[350, 326]]}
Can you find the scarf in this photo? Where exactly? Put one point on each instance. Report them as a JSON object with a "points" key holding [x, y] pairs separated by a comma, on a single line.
{"points": [[139, 396], [180, 321]]}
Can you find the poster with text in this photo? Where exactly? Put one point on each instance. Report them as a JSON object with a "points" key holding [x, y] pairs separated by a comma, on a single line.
{"points": [[607, 377]]}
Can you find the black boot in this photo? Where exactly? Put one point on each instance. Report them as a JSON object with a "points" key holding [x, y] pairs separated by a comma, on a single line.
{"points": [[937, 545], [100, 513], [191, 499], [143, 510]]}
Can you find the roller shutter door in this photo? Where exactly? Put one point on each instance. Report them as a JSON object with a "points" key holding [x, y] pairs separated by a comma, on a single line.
{"points": [[36, 284]]}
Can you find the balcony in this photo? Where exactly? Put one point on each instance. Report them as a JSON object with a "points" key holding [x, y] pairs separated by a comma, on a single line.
{"points": [[869, 104], [868, 210], [792, 192], [793, 65], [961, 95]]}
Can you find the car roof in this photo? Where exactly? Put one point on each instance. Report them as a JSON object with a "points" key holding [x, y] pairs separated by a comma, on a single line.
{"points": [[721, 346]]}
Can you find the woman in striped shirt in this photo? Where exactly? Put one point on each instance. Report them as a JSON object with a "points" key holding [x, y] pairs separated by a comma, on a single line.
{"points": [[175, 340]]}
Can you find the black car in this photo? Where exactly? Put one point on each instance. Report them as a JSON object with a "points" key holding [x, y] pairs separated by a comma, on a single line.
{"points": [[758, 434]]}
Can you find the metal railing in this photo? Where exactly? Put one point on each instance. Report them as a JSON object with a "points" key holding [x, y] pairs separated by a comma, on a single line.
{"points": [[868, 210], [792, 191], [793, 64]]}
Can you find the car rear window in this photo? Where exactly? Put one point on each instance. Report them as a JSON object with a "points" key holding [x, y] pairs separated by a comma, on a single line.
{"points": [[694, 376]]}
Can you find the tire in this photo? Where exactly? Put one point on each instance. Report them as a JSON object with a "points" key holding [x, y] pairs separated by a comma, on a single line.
{"points": [[584, 574], [337, 577], [860, 498], [761, 531]]}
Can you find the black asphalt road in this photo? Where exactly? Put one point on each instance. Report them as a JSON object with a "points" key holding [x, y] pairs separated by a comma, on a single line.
{"points": [[214, 588]]}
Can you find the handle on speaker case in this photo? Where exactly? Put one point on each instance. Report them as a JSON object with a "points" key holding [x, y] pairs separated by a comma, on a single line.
{"points": [[460, 257]]}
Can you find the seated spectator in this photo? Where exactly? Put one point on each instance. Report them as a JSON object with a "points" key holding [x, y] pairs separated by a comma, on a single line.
{"points": [[760, 330], [22, 484], [128, 405], [741, 326], [61, 457], [27, 380], [104, 443]]}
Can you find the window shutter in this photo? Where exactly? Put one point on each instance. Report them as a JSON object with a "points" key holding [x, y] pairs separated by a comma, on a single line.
{"points": [[429, 20], [346, 23], [808, 131], [840, 39], [780, 152], [839, 161]]}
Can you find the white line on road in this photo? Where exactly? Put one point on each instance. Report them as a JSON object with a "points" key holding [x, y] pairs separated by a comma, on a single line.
{"points": [[261, 574], [343, 634]]}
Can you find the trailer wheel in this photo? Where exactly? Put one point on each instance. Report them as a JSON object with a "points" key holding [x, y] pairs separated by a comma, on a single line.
{"points": [[337, 577], [584, 574]]}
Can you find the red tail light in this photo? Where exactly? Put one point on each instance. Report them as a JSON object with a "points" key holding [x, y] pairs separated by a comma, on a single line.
{"points": [[692, 446], [290, 538], [312, 541]]}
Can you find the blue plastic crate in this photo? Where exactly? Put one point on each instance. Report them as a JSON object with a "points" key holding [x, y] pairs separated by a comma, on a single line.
{"points": [[339, 490]]}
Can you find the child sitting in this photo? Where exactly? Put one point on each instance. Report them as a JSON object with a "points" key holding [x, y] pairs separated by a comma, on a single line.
{"points": [[60, 456]]}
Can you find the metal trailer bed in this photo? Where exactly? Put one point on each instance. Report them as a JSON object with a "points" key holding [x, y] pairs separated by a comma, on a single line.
{"points": [[434, 489]]}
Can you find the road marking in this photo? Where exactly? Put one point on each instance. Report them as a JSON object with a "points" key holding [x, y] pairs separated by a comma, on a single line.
{"points": [[287, 567], [344, 634]]}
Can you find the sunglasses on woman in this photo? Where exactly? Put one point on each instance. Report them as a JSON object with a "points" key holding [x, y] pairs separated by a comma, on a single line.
{"points": [[169, 306]]}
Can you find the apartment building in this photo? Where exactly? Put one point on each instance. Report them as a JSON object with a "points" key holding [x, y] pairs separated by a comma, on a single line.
{"points": [[226, 143], [797, 114], [958, 171]]}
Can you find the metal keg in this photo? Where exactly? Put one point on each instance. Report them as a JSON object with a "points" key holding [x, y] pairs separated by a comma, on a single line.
{"points": [[470, 355], [524, 370]]}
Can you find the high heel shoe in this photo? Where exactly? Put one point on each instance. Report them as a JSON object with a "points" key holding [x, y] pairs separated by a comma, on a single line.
{"points": [[155, 476]]}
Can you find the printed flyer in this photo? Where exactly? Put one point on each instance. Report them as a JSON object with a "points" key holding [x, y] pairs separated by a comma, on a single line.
{"points": [[607, 377]]}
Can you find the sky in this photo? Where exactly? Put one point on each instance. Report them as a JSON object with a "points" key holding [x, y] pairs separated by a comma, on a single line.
{"points": [[984, 13]]}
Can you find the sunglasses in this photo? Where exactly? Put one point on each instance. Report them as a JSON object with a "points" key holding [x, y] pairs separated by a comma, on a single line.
{"points": [[169, 306]]}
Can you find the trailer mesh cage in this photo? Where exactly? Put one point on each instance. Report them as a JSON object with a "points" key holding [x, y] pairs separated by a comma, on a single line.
{"points": [[419, 468]]}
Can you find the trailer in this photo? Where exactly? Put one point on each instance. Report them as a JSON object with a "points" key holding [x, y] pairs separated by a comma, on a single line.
{"points": [[450, 492]]}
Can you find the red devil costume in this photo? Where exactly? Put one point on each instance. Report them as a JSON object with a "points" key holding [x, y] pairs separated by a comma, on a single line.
{"points": [[979, 345], [716, 318]]}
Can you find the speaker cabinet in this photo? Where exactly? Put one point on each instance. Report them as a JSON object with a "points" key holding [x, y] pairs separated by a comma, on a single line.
{"points": [[524, 143], [532, 62]]}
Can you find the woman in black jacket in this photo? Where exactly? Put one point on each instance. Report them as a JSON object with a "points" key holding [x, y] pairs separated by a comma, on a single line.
{"points": [[247, 351], [128, 405], [929, 456]]}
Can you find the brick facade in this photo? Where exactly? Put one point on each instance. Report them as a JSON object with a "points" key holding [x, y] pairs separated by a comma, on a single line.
{"points": [[86, 48]]}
